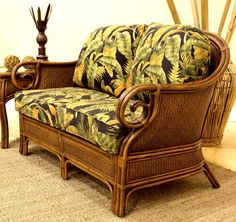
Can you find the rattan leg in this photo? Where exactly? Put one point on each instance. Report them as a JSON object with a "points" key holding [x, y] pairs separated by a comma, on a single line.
{"points": [[23, 145], [210, 176], [64, 168], [118, 201], [4, 126]]}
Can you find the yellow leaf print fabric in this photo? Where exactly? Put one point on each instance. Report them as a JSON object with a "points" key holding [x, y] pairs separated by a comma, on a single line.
{"points": [[87, 113], [106, 57], [171, 54]]}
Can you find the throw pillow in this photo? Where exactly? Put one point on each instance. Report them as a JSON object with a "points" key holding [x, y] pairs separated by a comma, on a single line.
{"points": [[171, 54], [106, 58]]}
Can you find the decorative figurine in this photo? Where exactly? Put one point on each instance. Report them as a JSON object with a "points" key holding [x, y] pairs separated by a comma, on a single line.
{"points": [[41, 25], [28, 58], [10, 61]]}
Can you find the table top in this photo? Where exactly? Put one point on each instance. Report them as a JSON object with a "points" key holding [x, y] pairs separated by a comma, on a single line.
{"points": [[4, 73]]}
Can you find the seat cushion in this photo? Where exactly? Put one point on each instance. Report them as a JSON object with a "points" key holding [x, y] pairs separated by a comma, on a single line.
{"points": [[171, 54], [106, 58], [83, 112]]}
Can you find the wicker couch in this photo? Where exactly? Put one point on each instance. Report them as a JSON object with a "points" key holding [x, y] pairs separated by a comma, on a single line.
{"points": [[128, 134]]}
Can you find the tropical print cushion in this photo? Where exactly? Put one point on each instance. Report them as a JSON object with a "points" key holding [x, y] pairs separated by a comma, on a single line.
{"points": [[83, 112], [106, 58], [171, 54]]}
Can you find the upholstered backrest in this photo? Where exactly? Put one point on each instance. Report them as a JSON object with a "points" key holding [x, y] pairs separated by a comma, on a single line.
{"points": [[106, 58], [116, 57], [171, 54]]}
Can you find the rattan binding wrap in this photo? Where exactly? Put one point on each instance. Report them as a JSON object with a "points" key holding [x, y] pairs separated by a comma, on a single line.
{"points": [[220, 108], [160, 146]]}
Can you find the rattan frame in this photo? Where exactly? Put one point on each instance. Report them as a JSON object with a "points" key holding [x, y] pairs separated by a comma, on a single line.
{"points": [[147, 156], [221, 106]]}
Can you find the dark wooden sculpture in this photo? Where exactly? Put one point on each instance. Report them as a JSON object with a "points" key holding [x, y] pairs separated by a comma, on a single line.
{"points": [[41, 25]]}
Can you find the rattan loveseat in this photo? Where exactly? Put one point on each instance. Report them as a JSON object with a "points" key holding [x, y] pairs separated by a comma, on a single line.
{"points": [[100, 117]]}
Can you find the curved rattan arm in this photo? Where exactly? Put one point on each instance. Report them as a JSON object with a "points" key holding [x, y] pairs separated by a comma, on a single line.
{"points": [[149, 109], [45, 75], [33, 75]]}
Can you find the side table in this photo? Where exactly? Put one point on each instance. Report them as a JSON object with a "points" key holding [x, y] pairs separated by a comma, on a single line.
{"points": [[7, 91]]}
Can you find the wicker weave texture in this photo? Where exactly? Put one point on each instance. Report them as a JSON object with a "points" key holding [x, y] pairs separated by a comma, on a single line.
{"points": [[163, 145], [221, 105], [179, 121]]}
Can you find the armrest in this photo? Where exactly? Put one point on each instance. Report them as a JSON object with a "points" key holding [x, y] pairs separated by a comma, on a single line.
{"points": [[150, 108], [46, 75]]}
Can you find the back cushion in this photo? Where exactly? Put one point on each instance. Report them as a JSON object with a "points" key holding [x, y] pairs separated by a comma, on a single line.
{"points": [[171, 54], [106, 58]]}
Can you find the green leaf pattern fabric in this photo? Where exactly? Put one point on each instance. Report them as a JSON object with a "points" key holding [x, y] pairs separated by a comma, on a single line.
{"points": [[112, 58], [106, 58], [171, 54], [83, 112]]}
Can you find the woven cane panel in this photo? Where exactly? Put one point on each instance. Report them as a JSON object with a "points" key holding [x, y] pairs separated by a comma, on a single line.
{"points": [[161, 165], [42, 133], [73, 150], [88, 159], [179, 121], [55, 77]]}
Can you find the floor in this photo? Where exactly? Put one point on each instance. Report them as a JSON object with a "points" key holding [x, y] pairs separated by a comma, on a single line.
{"points": [[223, 155]]}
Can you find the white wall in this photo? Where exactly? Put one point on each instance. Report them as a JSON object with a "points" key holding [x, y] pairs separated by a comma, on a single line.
{"points": [[70, 23], [72, 20]]}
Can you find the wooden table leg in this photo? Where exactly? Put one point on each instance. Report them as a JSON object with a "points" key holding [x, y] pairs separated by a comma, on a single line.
{"points": [[4, 126], [3, 113], [7, 91]]}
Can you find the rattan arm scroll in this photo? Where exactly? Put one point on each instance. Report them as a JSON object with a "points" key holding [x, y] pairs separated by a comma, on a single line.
{"points": [[149, 109], [45, 75], [33, 75]]}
